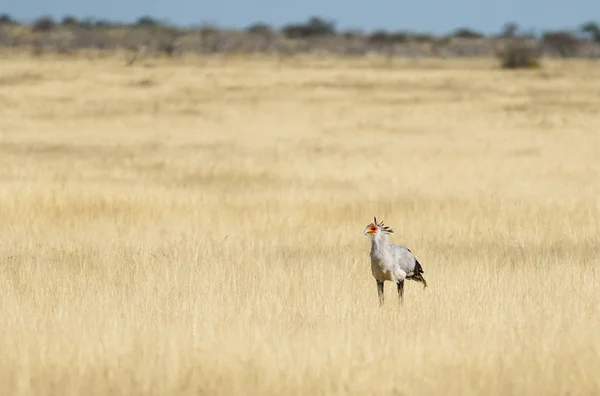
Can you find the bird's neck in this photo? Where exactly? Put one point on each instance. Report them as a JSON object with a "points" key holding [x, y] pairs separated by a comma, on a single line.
{"points": [[379, 242]]}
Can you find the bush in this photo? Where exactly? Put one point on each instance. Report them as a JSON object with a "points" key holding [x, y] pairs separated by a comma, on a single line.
{"points": [[6, 19], [352, 34], [509, 30], [467, 33], [423, 38], [70, 21], [208, 30], [592, 30], [518, 54], [260, 29], [564, 43], [44, 24], [383, 37], [147, 22], [379, 37], [315, 27]]}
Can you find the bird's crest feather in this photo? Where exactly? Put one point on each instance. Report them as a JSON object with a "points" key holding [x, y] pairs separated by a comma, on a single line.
{"points": [[383, 228]]}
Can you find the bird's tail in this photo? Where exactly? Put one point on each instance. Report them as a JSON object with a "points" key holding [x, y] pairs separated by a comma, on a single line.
{"points": [[418, 275]]}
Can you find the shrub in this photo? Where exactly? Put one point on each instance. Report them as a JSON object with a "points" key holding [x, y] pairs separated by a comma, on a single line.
{"points": [[519, 54], [208, 31], [6, 19], [510, 29], [592, 30], [379, 37], [352, 34], [260, 29], [423, 38], [44, 24], [383, 37], [315, 27], [467, 33], [147, 22], [564, 43], [69, 21]]}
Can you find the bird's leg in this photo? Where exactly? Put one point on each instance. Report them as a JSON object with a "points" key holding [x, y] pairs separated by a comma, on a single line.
{"points": [[380, 292], [400, 285]]}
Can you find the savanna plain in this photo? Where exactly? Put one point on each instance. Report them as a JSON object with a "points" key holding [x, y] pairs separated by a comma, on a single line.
{"points": [[194, 226]]}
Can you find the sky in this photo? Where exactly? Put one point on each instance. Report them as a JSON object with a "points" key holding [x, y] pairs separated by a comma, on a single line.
{"points": [[433, 16]]}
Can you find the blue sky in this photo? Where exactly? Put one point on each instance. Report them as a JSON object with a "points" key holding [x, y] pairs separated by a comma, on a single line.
{"points": [[436, 16]]}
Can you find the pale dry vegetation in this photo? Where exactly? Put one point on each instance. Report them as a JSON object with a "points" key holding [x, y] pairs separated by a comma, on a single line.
{"points": [[195, 227]]}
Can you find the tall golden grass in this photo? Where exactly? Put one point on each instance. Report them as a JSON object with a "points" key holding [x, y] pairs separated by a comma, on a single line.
{"points": [[195, 227]]}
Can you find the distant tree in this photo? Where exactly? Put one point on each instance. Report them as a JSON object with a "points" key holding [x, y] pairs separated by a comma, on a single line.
{"points": [[147, 21], [352, 34], [314, 27], [423, 37], [591, 30], [384, 37], [169, 43], [87, 23], [69, 21], [518, 53], [399, 37], [44, 24], [261, 29], [564, 43], [467, 33], [379, 37], [6, 19], [509, 29], [100, 23], [208, 30], [321, 27]]}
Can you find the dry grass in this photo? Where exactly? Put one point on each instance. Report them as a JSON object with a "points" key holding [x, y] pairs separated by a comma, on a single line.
{"points": [[196, 227]]}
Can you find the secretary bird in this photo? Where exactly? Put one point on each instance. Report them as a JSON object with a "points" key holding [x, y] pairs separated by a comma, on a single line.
{"points": [[391, 262]]}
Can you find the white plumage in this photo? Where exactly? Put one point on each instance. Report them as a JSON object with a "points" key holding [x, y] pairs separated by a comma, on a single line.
{"points": [[391, 262]]}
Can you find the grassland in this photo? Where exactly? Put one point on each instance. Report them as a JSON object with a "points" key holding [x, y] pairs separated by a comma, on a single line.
{"points": [[195, 227]]}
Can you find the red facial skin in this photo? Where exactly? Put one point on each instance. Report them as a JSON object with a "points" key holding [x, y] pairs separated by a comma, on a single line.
{"points": [[373, 229]]}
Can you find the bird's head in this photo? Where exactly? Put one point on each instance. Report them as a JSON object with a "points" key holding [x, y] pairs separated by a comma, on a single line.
{"points": [[375, 229]]}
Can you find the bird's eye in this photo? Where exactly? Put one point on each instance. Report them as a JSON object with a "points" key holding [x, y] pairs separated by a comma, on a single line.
{"points": [[373, 228]]}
